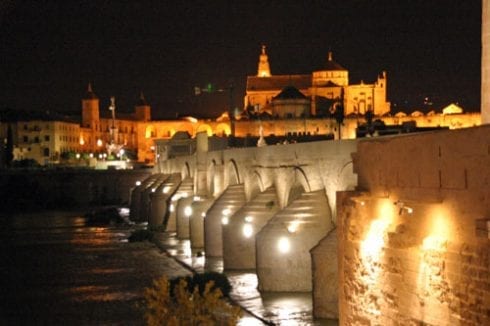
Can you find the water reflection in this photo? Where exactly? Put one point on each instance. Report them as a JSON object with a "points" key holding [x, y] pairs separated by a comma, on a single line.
{"points": [[282, 308]]}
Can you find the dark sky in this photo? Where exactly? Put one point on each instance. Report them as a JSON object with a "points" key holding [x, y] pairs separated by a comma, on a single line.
{"points": [[50, 50]]}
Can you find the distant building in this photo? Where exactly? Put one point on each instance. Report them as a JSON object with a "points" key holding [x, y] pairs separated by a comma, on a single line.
{"points": [[322, 87], [281, 107]]}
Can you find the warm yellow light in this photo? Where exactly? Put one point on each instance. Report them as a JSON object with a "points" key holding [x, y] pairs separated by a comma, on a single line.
{"points": [[99, 142], [248, 230], [293, 226], [283, 245], [138, 183], [225, 220], [171, 208], [203, 214], [226, 212], [166, 189], [188, 211], [153, 189], [372, 245], [248, 219], [82, 141], [434, 242]]}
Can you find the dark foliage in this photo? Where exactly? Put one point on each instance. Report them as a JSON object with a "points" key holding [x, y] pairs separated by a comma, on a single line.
{"points": [[141, 235], [200, 280]]}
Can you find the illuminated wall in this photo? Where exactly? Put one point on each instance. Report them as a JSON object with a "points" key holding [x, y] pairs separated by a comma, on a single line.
{"points": [[485, 62], [414, 245]]}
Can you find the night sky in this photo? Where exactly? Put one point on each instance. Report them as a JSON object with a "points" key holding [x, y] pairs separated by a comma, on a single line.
{"points": [[50, 50]]}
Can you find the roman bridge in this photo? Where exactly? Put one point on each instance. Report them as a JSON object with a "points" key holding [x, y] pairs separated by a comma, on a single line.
{"points": [[261, 208]]}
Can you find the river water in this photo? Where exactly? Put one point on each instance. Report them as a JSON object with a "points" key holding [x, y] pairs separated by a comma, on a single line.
{"points": [[56, 270]]}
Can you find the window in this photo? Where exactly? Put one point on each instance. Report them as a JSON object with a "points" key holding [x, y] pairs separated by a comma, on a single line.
{"points": [[46, 152], [36, 139], [46, 138], [25, 139]]}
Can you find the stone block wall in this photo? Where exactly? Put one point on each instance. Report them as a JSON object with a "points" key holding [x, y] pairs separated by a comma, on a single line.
{"points": [[414, 245]]}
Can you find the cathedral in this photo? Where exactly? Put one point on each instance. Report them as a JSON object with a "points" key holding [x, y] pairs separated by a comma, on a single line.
{"points": [[318, 90]]}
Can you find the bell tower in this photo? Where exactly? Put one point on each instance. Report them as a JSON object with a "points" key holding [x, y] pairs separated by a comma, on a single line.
{"points": [[142, 110], [90, 109], [264, 69]]}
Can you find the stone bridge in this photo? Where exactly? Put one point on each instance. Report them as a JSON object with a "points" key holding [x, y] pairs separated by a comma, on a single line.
{"points": [[261, 208]]}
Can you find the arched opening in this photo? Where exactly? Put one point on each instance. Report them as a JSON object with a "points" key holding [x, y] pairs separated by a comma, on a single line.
{"points": [[150, 132], [222, 129], [299, 186], [206, 128], [233, 175], [256, 185], [186, 171], [211, 173]]}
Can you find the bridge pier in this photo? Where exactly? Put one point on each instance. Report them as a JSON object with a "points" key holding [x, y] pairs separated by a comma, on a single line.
{"points": [[138, 198], [183, 213], [325, 277], [239, 236], [284, 244], [219, 215], [185, 189], [196, 222]]}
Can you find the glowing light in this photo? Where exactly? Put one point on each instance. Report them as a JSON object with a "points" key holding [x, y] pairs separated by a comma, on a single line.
{"points": [[434, 242], [293, 226], [188, 211], [248, 219], [225, 220], [153, 189], [91, 155], [82, 141], [203, 214], [166, 189], [197, 198], [77, 156], [248, 230], [121, 152], [138, 183], [283, 245], [372, 245], [226, 212], [99, 142], [171, 208]]}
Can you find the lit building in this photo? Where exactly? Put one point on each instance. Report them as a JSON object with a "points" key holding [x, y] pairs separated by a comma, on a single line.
{"points": [[323, 88]]}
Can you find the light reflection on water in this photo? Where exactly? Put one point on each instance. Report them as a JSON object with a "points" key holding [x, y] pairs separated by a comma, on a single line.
{"points": [[282, 308]]}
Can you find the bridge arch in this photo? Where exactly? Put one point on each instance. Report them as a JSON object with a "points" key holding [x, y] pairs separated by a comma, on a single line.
{"points": [[186, 171], [233, 174], [300, 185]]}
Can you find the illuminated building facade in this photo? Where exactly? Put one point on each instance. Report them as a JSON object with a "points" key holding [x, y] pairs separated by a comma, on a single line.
{"points": [[321, 87]]}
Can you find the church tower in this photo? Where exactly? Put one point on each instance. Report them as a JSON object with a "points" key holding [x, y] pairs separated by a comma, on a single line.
{"points": [[90, 109], [142, 110], [264, 69]]}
